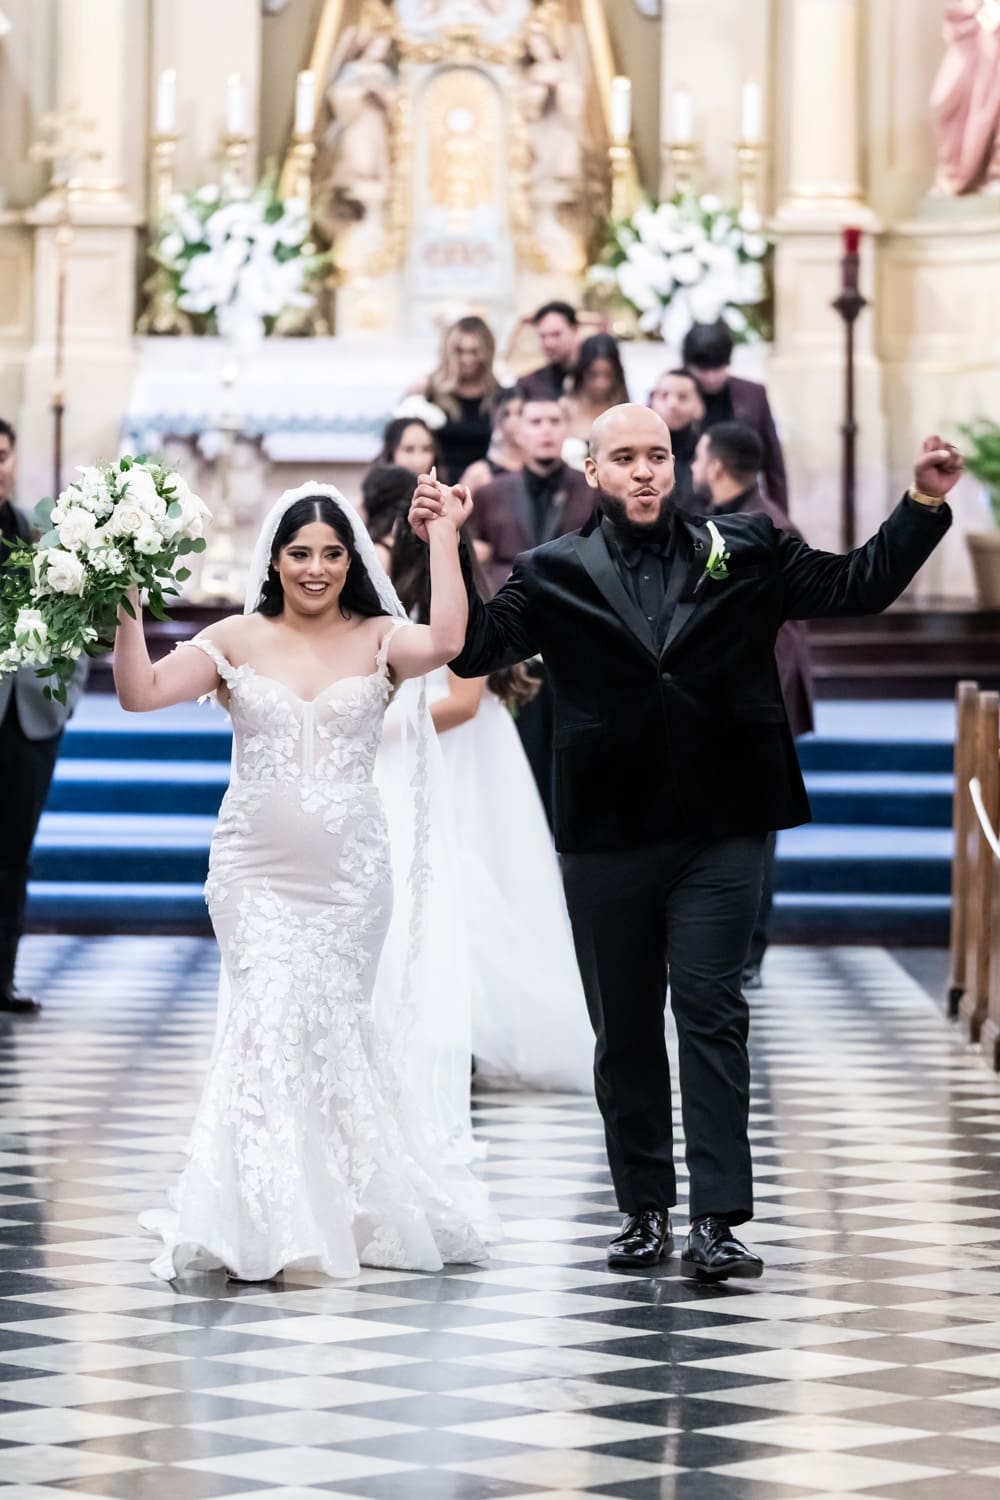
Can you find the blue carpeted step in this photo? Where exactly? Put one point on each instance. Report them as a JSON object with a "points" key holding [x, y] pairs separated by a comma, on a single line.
{"points": [[102, 730], [127, 847], [869, 861], [826, 917], [891, 799], [82, 906], [909, 737], [188, 787]]}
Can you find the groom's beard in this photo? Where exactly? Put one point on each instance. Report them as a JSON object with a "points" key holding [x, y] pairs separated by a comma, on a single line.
{"points": [[639, 530]]}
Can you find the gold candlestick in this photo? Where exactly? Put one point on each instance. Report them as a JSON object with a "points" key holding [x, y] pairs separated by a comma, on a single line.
{"points": [[235, 165], [680, 159], [750, 157], [162, 173], [221, 579], [161, 314], [298, 174], [620, 158]]}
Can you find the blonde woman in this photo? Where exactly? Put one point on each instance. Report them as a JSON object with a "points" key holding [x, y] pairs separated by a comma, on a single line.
{"points": [[465, 388]]}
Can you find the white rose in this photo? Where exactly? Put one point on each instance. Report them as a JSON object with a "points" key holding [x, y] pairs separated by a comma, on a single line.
{"points": [[32, 626], [171, 247], [77, 528], [141, 488], [58, 514], [127, 519], [685, 268], [190, 524], [65, 573], [149, 542]]}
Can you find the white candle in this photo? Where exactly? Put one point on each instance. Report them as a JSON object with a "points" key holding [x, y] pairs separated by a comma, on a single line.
{"points": [[683, 118], [305, 103], [621, 110], [753, 114], [166, 102], [236, 119]]}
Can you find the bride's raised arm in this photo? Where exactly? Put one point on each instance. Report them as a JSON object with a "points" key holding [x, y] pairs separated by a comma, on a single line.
{"points": [[179, 678], [421, 648]]}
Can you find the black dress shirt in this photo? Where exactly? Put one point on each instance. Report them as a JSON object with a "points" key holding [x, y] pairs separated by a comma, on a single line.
{"points": [[8, 531], [540, 488], [643, 564], [735, 505]]}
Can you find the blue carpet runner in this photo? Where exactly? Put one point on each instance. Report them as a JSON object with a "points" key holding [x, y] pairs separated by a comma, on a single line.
{"points": [[123, 845]]}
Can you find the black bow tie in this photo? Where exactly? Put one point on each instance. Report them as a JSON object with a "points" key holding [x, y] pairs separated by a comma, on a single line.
{"points": [[634, 551]]}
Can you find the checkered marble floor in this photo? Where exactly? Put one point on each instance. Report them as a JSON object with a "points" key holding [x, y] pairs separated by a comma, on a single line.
{"points": [[867, 1362]]}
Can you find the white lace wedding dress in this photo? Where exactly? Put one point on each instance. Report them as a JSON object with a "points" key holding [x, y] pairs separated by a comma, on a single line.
{"points": [[306, 1148]]}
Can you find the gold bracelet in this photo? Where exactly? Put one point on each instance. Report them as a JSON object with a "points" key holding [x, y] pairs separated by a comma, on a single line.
{"points": [[934, 501]]}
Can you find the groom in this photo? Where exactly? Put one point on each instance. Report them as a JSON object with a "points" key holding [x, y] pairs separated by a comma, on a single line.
{"points": [[673, 762]]}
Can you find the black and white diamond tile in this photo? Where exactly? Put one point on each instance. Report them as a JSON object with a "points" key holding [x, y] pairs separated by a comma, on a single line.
{"points": [[867, 1362]]}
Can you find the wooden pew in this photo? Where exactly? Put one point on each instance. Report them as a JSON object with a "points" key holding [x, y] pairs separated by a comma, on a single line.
{"points": [[985, 771], [966, 700], [989, 1035]]}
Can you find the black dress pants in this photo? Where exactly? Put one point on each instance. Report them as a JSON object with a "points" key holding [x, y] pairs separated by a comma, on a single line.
{"points": [[26, 768], [682, 910], [762, 926]]}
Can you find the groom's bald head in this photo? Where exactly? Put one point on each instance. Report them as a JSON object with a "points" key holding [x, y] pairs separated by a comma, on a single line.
{"points": [[631, 461]]}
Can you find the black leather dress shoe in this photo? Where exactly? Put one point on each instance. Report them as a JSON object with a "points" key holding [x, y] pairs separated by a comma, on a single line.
{"points": [[645, 1239], [713, 1253], [18, 1005]]}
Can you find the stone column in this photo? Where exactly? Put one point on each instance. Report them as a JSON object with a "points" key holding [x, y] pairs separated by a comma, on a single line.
{"points": [[101, 65], [822, 189]]}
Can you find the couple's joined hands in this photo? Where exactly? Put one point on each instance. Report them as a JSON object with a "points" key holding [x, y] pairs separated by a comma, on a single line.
{"points": [[434, 503]]}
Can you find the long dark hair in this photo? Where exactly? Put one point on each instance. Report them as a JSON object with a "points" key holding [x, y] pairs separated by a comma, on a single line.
{"points": [[358, 596], [410, 571], [601, 346], [386, 492], [392, 436]]}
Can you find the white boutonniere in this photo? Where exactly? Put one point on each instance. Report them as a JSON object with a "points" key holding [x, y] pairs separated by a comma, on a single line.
{"points": [[717, 567]]}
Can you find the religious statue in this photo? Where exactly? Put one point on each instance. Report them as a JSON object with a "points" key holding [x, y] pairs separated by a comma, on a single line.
{"points": [[552, 104], [354, 167], [966, 100]]}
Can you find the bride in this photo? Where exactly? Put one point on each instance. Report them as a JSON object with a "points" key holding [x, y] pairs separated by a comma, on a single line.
{"points": [[307, 1148]]}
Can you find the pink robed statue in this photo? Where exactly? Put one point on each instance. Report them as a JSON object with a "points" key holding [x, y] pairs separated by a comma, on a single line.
{"points": [[966, 100]]}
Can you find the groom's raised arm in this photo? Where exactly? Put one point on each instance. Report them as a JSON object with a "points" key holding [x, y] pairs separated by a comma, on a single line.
{"points": [[498, 633], [870, 578]]}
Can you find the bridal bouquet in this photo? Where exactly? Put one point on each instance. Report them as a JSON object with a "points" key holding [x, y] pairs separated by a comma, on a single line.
{"points": [[689, 260], [237, 263], [117, 528]]}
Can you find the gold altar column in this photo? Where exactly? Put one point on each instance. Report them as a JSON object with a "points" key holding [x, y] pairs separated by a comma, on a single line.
{"points": [[821, 107], [101, 54]]}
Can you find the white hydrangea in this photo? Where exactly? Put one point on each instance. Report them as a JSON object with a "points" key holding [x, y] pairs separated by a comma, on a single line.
{"points": [[30, 628], [108, 560]]}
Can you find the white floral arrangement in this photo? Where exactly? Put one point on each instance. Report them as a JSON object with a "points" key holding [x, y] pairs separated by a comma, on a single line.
{"points": [[235, 264], [689, 259], [117, 528]]}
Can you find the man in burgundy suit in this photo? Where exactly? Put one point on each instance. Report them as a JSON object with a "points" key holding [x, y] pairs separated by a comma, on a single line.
{"points": [[546, 499], [557, 328], [724, 474], [708, 352]]}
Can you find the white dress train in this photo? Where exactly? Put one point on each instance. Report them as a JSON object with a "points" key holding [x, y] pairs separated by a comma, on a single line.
{"points": [[307, 1149], [529, 1017]]}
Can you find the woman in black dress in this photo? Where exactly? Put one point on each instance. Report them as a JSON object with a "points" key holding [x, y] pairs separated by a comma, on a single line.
{"points": [[465, 388]]}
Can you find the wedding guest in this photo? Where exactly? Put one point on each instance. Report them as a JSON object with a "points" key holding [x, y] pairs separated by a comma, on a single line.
{"points": [[465, 387], [545, 499], [726, 465], [596, 384], [504, 455], [708, 352], [386, 492], [557, 327], [411, 444], [31, 728], [677, 398]]}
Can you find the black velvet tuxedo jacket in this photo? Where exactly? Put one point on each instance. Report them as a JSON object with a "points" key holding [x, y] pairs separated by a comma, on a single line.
{"points": [[689, 737]]}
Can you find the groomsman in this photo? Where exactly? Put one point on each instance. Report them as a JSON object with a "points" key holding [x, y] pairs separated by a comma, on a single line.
{"points": [[677, 398], [726, 464], [708, 352], [556, 326], [31, 727]]}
